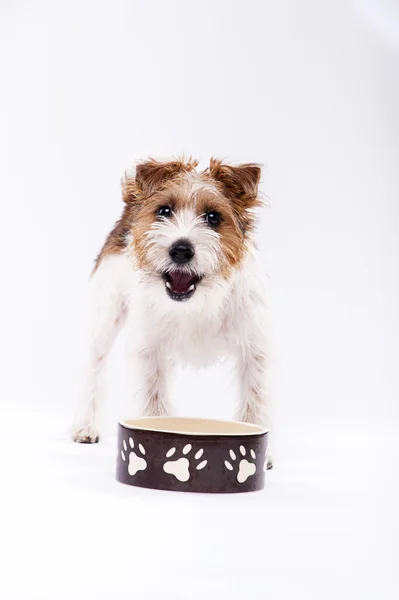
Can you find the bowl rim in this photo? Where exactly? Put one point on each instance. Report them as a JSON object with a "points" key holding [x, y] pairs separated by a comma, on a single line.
{"points": [[251, 429]]}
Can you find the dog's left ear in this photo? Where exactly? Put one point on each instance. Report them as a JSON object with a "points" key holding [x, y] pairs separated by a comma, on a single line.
{"points": [[152, 175], [239, 183]]}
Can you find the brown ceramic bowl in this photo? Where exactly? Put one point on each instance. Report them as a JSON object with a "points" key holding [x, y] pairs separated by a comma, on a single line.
{"points": [[191, 455]]}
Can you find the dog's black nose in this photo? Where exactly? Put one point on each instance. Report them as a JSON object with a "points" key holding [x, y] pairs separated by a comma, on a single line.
{"points": [[181, 252]]}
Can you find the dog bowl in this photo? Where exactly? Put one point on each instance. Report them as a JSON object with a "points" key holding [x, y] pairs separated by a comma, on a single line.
{"points": [[191, 455]]}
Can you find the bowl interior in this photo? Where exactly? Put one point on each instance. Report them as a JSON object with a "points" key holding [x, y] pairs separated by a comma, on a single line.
{"points": [[187, 425]]}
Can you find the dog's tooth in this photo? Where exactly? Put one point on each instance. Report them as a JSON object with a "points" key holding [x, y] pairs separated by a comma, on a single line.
{"points": [[190, 289], [168, 285]]}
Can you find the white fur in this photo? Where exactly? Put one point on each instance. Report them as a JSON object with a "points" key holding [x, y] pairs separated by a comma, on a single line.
{"points": [[221, 318]]}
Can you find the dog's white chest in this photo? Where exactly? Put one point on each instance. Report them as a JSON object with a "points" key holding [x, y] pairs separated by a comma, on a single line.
{"points": [[202, 349]]}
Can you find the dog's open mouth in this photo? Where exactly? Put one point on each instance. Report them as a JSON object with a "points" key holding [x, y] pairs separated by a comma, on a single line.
{"points": [[180, 286]]}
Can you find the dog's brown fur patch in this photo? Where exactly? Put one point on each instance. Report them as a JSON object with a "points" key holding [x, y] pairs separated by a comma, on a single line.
{"points": [[152, 176], [232, 239], [116, 240], [240, 185]]}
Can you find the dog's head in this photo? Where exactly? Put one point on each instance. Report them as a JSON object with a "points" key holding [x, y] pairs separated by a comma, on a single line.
{"points": [[190, 230]]}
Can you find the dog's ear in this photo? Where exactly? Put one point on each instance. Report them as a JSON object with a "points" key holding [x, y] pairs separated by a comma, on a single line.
{"points": [[152, 175], [239, 183]]}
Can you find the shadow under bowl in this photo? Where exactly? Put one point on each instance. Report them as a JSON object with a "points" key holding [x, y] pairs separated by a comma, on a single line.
{"points": [[191, 455]]}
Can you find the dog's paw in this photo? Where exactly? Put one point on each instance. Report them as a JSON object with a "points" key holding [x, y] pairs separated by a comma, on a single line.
{"points": [[86, 434], [268, 463]]}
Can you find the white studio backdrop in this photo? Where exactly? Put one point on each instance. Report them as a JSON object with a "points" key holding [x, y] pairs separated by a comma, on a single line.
{"points": [[309, 89]]}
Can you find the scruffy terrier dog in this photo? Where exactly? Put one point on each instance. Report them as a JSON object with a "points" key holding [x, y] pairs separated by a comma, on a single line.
{"points": [[180, 269]]}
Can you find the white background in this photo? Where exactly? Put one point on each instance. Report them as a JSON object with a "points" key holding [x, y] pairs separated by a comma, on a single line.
{"points": [[311, 90]]}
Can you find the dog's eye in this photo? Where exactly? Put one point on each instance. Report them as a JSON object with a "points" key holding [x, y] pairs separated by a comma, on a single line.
{"points": [[213, 218], [164, 211]]}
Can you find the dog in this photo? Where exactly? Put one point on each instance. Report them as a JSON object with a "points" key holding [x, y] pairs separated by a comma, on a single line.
{"points": [[180, 270]]}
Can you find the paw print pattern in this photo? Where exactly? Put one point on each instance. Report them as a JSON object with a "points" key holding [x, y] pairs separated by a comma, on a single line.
{"points": [[245, 468], [180, 467], [136, 461]]}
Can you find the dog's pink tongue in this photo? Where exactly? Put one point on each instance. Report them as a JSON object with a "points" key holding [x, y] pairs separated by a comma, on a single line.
{"points": [[180, 281]]}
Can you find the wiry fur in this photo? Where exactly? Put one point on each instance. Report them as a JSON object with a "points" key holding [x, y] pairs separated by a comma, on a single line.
{"points": [[225, 314]]}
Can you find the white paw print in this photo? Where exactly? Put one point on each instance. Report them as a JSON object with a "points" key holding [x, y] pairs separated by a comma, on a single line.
{"points": [[245, 468], [136, 462], [180, 467]]}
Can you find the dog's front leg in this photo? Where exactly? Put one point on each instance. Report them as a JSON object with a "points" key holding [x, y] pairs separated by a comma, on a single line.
{"points": [[155, 371], [254, 402], [107, 308]]}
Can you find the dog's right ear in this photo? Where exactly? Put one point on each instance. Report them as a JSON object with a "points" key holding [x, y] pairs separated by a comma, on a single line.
{"points": [[152, 175]]}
